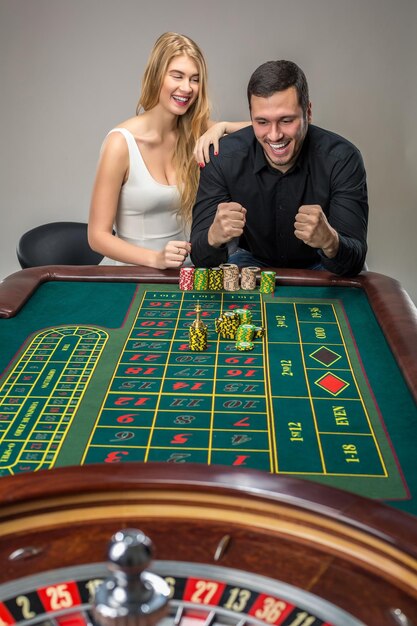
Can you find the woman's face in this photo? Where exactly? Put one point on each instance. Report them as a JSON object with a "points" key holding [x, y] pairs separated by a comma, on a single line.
{"points": [[180, 85]]}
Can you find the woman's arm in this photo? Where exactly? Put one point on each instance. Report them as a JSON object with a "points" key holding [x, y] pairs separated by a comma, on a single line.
{"points": [[113, 169], [215, 131]]}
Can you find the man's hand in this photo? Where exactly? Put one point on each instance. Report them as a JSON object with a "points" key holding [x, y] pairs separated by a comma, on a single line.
{"points": [[312, 227], [228, 223]]}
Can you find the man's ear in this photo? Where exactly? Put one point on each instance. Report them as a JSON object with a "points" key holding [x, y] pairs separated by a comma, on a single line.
{"points": [[309, 116]]}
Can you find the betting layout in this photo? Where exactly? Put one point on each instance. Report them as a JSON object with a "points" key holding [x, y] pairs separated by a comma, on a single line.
{"points": [[296, 403], [41, 395]]}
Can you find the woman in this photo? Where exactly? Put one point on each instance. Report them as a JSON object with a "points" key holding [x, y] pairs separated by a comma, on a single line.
{"points": [[147, 177]]}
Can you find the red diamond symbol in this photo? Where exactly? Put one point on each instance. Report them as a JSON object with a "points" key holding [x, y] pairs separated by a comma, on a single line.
{"points": [[331, 383]]}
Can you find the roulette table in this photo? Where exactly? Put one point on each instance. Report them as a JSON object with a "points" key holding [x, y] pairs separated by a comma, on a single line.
{"points": [[96, 368], [232, 462]]}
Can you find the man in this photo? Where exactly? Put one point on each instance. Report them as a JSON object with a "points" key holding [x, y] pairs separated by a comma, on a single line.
{"points": [[289, 193]]}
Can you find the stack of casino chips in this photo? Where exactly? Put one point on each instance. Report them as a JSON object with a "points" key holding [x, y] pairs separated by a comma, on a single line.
{"points": [[198, 337], [230, 277], [201, 275], [248, 278], [227, 324], [245, 332], [215, 279], [244, 336], [267, 282], [236, 325], [259, 332], [186, 278], [245, 315]]}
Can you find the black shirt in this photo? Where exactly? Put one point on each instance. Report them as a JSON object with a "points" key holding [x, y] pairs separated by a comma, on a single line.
{"points": [[329, 172]]}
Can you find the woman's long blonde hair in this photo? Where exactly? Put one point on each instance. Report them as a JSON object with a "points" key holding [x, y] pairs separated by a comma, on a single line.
{"points": [[192, 124]]}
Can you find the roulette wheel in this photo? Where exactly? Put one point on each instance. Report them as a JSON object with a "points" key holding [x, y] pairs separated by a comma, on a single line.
{"points": [[234, 548]]}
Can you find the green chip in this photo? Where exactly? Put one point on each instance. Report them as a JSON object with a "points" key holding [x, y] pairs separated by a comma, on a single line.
{"points": [[245, 345]]}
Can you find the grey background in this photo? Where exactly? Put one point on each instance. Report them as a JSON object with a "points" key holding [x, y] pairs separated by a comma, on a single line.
{"points": [[70, 70]]}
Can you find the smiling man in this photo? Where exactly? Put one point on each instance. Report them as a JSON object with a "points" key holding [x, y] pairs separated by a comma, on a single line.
{"points": [[283, 192]]}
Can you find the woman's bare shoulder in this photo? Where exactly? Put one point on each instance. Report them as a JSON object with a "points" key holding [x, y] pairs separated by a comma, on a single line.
{"points": [[140, 127], [133, 124]]}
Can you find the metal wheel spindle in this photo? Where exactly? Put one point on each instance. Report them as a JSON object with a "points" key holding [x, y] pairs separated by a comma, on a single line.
{"points": [[131, 596]]}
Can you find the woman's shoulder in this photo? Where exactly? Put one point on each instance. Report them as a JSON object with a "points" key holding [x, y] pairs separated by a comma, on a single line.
{"points": [[120, 136], [133, 124], [120, 129], [139, 127]]}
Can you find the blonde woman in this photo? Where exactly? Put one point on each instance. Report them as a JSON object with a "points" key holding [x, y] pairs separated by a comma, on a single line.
{"points": [[148, 171]]}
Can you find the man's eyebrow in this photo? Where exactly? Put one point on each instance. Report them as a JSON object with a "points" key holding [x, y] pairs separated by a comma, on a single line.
{"points": [[260, 118]]}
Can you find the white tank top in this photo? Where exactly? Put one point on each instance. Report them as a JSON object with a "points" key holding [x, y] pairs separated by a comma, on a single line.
{"points": [[147, 212]]}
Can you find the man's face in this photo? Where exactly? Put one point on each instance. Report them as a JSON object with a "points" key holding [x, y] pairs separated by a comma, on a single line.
{"points": [[280, 127]]}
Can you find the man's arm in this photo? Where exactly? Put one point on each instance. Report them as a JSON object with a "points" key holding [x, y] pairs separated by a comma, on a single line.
{"points": [[341, 236], [216, 220]]}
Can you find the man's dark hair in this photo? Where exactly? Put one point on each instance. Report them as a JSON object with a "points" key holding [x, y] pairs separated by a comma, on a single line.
{"points": [[274, 76]]}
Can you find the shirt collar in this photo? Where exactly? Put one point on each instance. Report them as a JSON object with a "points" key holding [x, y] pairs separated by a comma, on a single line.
{"points": [[260, 161]]}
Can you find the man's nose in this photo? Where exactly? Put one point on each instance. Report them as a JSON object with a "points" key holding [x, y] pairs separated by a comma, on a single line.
{"points": [[275, 132]]}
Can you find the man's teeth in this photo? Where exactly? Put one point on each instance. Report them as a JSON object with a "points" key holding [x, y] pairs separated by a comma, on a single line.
{"points": [[278, 146]]}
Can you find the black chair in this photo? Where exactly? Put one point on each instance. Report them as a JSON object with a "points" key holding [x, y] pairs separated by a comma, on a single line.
{"points": [[56, 243]]}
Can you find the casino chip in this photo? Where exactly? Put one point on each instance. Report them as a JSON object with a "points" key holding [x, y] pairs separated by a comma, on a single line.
{"points": [[227, 324], [201, 276], [198, 338], [259, 332], [186, 278], [248, 277], [198, 332], [267, 282], [245, 315], [244, 345], [215, 279], [245, 332], [230, 277]]}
